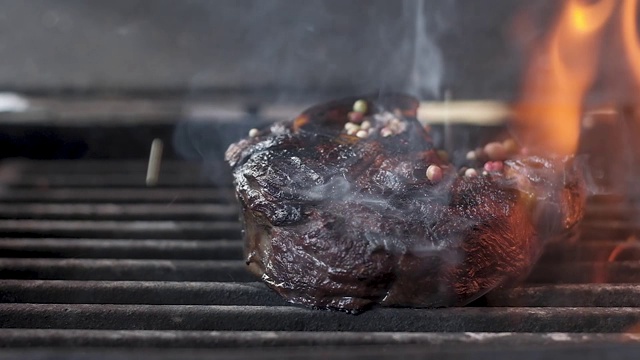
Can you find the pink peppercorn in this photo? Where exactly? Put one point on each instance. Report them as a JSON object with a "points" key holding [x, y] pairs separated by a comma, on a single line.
{"points": [[492, 166], [434, 173], [356, 117]]}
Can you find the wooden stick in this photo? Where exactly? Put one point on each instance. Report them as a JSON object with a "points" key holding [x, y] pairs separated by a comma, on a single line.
{"points": [[155, 157], [482, 113]]}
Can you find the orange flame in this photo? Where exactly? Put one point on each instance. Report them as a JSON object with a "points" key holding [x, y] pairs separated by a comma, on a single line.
{"points": [[629, 36], [560, 74]]}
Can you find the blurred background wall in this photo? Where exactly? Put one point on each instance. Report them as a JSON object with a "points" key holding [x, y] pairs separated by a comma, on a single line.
{"points": [[277, 47]]}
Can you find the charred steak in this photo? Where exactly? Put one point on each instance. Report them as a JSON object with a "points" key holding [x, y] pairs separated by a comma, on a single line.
{"points": [[350, 205]]}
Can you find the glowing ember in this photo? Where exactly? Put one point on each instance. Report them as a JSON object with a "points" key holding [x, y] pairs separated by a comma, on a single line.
{"points": [[613, 256]]}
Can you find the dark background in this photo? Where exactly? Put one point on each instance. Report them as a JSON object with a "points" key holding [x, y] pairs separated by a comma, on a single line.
{"points": [[276, 47]]}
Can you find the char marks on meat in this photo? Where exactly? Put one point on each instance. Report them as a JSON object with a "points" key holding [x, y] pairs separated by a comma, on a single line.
{"points": [[339, 212]]}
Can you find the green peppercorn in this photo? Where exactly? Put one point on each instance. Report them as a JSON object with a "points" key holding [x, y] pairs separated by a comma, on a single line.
{"points": [[360, 106], [443, 155]]}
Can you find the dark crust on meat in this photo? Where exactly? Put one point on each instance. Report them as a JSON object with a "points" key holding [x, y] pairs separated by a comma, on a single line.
{"points": [[334, 221]]}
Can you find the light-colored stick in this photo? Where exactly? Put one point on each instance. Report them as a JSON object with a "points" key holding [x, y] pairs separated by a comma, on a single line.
{"points": [[155, 157], [471, 112], [448, 136], [480, 113]]}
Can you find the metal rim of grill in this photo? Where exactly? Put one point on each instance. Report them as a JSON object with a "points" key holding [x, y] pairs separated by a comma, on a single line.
{"points": [[92, 259]]}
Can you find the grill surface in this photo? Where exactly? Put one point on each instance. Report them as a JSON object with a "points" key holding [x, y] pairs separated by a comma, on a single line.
{"points": [[90, 258]]}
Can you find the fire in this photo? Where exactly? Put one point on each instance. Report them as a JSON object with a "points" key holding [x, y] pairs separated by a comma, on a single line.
{"points": [[629, 36], [560, 74]]}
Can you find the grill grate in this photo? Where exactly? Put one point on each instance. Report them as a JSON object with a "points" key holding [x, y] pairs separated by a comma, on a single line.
{"points": [[92, 258]]}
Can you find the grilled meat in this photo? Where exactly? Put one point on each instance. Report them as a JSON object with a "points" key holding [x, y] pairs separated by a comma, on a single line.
{"points": [[350, 205]]}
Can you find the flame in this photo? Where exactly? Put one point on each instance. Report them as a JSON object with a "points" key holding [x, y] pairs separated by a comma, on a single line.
{"points": [[562, 70], [629, 36]]}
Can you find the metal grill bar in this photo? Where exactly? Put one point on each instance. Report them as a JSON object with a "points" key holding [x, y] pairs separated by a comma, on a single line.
{"points": [[44, 211], [143, 270], [40, 167], [217, 339], [586, 272], [253, 293], [121, 229], [137, 292], [600, 212], [618, 351], [595, 252], [287, 318], [569, 295], [110, 180], [121, 249], [611, 229], [116, 195], [231, 270], [161, 267]]}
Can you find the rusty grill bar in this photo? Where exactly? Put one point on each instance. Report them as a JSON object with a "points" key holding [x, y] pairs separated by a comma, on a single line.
{"points": [[89, 257]]}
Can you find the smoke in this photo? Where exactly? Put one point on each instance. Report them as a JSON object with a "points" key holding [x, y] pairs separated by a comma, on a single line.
{"points": [[427, 63], [328, 48], [298, 54]]}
